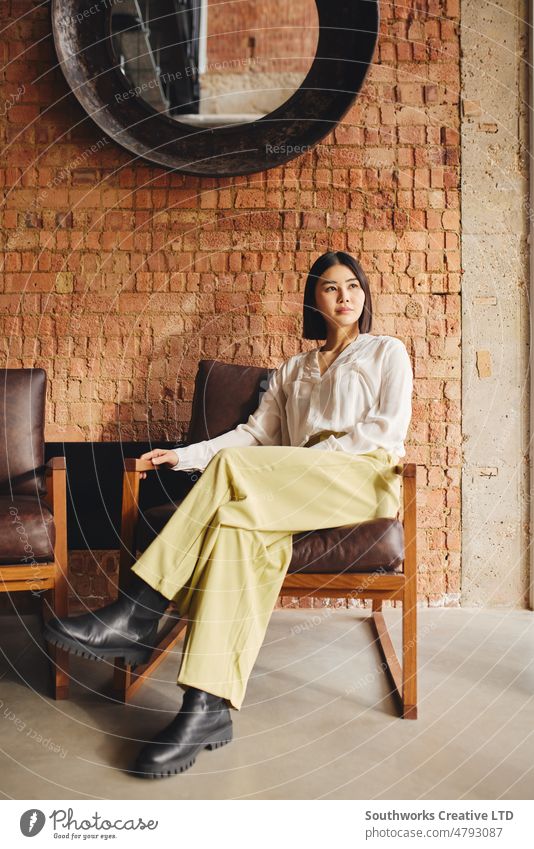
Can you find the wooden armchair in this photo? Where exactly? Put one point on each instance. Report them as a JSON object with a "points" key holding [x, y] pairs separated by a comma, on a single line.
{"points": [[33, 508], [371, 560]]}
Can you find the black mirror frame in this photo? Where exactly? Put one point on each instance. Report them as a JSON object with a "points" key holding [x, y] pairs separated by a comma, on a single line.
{"points": [[348, 32]]}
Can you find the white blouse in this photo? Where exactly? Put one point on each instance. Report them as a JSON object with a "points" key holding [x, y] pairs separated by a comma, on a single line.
{"points": [[366, 393]]}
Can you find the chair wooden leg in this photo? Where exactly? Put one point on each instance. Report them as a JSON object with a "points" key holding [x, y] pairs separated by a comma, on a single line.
{"points": [[387, 650], [409, 650], [58, 658], [409, 596], [59, 601], [127, 680], [403, 677]]}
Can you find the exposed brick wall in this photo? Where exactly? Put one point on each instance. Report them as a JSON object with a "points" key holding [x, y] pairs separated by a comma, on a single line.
{"points": [[119, 276], [285, 34]]}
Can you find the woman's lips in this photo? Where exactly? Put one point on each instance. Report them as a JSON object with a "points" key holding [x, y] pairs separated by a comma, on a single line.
{"points": [[344, 310]]}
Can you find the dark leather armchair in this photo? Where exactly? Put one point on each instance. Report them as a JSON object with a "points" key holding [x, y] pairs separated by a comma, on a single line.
{"points": [[373, 560], [33, 518]]}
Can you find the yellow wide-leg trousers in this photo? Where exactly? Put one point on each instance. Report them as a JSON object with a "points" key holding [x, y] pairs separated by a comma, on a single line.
{"points": [[223, 555]]}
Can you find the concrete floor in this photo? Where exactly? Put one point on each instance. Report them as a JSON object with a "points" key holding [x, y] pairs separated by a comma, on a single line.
{"points": [[317, 723]]}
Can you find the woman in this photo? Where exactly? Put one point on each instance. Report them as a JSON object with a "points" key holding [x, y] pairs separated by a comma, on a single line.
{"points": [[223, 555]]}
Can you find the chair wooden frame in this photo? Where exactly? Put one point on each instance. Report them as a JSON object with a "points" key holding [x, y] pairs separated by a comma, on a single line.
{"points": [[52, 576], [377, 586]]}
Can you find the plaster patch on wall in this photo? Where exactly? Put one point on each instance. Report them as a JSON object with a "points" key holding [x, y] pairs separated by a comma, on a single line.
{"points": [[484, 363], [64, 282], [495, 309]]}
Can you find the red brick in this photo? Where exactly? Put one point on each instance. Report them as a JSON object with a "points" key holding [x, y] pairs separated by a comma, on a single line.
{"points": [[157, 257], [379, 240], [450, 220]]}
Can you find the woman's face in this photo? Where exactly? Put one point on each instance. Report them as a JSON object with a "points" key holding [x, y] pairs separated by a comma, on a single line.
{"points": [[339, 297]]}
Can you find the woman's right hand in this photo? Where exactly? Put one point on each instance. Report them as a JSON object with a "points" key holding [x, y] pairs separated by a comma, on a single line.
{"points": [[160, 457]]}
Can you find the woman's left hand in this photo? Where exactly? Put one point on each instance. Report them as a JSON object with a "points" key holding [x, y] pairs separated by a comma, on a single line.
{"points": [[160, 457]]}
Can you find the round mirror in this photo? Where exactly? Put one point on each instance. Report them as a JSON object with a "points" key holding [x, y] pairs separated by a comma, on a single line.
{"points": [[216, 88], [214, 64]]}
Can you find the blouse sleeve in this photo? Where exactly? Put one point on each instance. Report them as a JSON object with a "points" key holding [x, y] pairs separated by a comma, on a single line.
{"points": [[386, 425], [263, 427]]}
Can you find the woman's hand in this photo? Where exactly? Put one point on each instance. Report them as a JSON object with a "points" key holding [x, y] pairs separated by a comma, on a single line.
{"points": [[160, 457]]}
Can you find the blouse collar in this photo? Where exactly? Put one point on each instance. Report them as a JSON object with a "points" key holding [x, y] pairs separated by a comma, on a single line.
{"points": [[311, 363]]}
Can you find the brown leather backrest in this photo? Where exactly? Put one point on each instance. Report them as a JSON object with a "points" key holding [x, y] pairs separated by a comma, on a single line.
{"points": [[225, 395], [22, 418]]}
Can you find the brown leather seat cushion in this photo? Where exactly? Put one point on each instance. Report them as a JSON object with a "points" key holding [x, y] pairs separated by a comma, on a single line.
{"points": [[27, 531], [377, 544]]}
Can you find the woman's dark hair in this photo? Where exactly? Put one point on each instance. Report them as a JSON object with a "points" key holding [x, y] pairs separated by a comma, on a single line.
{"points": [[314, 325]]}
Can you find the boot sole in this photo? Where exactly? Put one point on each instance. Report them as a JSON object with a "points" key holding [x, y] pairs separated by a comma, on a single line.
{"points": [[135, 656], [178, 765]]}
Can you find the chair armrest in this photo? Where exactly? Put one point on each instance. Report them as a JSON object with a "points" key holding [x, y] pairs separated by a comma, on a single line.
{"points": [[133, 467], [56, 498], [131, 482], [55, 463], [132, 464], [409, 503], [407, 470], [56, 489]]}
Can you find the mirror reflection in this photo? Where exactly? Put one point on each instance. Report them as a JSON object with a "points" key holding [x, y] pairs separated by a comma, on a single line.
{"points": [[212, 63]]}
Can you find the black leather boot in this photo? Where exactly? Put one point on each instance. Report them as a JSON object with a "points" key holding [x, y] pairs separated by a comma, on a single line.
{"points": [[204, 722], [127, 628]]}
